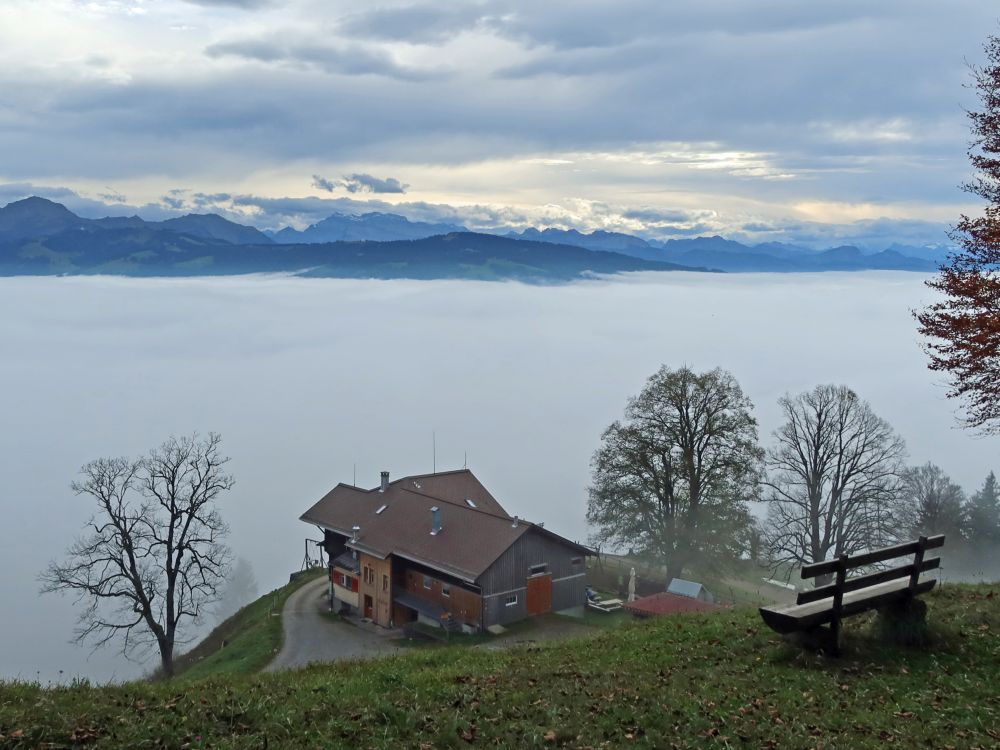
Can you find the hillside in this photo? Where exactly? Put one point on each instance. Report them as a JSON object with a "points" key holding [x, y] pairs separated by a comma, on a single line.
{"points": [[245, 642], [730, 256], [38, 237], [690, 681]]}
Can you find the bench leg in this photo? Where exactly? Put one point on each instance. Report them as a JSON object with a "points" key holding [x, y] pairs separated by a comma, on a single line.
{"points": [[903, 622], [820, 639]]}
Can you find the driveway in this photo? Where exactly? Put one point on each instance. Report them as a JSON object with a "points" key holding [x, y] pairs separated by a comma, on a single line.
{"points": [[311, 637]]}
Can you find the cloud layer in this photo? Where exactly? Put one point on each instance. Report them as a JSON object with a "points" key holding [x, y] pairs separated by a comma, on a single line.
{"points": [[772, 114]]}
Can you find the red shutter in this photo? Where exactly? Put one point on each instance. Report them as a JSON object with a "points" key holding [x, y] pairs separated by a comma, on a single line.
{"points": [[354, 584]]}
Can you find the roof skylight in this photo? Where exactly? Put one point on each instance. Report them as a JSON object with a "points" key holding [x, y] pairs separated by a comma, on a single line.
{"points": [[381, 509]]}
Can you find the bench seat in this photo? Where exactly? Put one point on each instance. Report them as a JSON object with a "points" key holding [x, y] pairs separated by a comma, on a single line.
{"points": [[798, 617]]}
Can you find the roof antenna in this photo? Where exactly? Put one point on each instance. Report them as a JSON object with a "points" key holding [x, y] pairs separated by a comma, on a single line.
{"points": [[434, 449], [355, 481], [465, 465]]}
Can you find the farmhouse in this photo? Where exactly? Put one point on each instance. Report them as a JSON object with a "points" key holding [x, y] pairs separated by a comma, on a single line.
{"points": [[439, 548]]}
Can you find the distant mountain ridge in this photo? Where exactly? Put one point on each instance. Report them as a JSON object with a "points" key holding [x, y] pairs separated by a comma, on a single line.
{"points": [[728, 255], [40, 236], [38, 217], [379, 227]]}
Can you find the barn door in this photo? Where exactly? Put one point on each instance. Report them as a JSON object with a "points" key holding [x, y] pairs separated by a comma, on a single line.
{"points": [[539, 594]]}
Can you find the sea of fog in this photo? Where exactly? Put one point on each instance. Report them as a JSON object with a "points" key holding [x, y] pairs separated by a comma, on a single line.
{"points": [[310, 380]]}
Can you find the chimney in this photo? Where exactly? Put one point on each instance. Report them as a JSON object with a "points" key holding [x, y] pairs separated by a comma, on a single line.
{"points": [[355, 531], [514, 523], [435, 520], [385, 481]]}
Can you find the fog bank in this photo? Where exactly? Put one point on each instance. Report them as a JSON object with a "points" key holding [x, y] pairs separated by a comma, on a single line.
{"points": [[307, 379]]}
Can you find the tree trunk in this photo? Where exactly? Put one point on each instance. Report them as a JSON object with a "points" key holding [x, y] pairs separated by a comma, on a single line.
{"points": [[166, 658], [675, 569]]}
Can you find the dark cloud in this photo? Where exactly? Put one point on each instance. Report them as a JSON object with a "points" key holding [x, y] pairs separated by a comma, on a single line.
{"points": [[113, 196], [172, 202], [663, 216], [246, 4], [335, 58], [365, 183], [359, 183], [416, 23], [321, 183]]}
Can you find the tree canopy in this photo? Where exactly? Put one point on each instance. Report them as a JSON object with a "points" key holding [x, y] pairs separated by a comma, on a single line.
{"points": [[963, 328], [673, 478], [983, 514], [932, 504]]}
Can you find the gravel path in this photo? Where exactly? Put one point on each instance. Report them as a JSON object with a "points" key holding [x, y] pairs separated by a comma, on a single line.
{"points": [[311, 637]]}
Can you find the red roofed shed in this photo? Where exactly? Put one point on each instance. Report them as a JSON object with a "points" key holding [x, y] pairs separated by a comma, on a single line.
{"points": [[666, 603]]}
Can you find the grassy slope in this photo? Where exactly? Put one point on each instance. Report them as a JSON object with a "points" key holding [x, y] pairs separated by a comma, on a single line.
{"points": [[691, 681], [252, 637]]}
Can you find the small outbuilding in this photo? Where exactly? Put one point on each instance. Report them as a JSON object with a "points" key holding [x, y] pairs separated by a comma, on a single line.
{"points": [[666, 603], [690, 589]]}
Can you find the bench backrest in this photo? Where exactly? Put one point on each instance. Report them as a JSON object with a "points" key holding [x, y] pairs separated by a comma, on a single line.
{"points": [[844, 563]]}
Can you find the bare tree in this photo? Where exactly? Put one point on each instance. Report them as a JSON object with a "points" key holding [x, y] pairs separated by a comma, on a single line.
{"points": [[833, 477], [673, 480], [932, 504], [153, 554]]}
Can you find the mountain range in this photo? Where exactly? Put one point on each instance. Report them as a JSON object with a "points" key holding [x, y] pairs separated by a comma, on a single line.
{"points": [[38, 236]]}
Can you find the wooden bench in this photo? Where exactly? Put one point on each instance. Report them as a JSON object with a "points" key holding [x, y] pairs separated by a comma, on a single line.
{"points": [[829, 604]]}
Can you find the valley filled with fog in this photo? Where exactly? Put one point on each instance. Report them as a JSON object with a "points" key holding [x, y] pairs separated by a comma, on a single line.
{"points": [[310, 380]]}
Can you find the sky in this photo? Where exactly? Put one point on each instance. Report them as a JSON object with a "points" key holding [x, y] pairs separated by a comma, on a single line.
{"points": [[776, 120], [310, 381]]}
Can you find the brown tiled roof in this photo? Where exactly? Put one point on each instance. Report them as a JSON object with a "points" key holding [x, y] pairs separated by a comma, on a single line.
{"points": [[470, 540], [456, 487], [666, 603]]}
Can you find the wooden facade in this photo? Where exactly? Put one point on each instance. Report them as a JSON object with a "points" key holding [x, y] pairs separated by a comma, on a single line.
{"points": [[532, 558], [465, 606], [375, 591], [537, 574]]}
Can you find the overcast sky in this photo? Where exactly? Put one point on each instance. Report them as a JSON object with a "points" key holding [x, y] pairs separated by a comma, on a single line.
{"points": [[776, 119]]}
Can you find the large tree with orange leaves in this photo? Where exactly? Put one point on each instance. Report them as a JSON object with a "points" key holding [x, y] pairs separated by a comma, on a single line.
{"points": [[964, 327]]}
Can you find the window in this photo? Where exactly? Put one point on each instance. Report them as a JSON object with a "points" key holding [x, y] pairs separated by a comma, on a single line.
{"points": [[535, 570], [445, 589], [511, 600], [385, 583], [427, 582], [369, 574], [577, 562]]}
